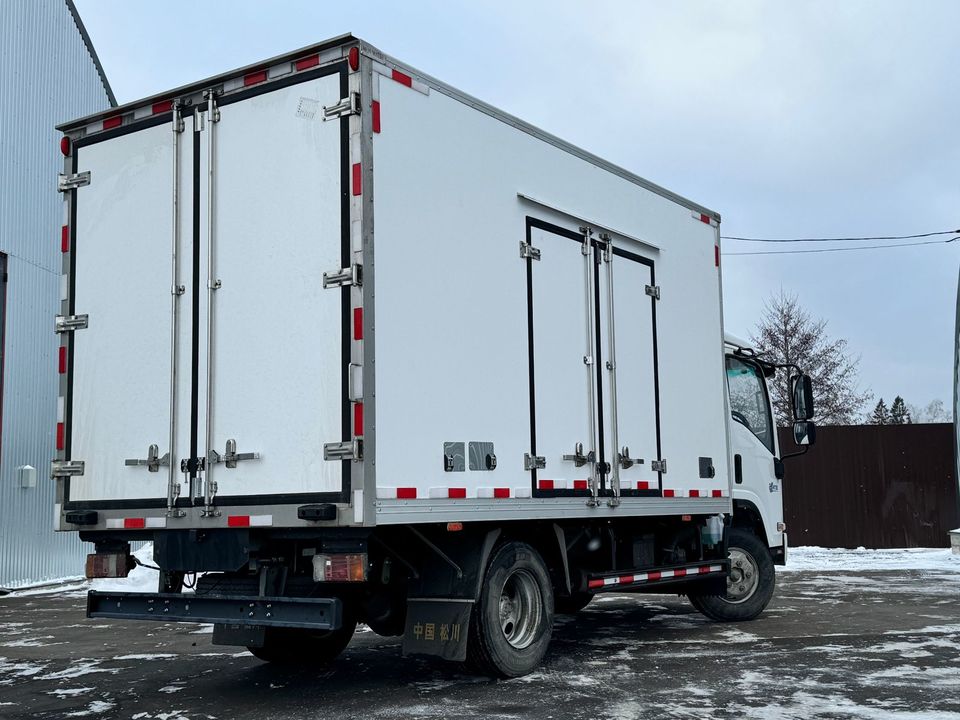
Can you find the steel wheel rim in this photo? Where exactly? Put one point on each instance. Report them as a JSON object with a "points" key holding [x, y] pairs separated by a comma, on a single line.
{"points": [[744, 577], [520, 608]]}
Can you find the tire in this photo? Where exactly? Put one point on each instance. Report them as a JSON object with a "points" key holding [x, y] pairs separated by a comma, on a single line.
{"points": [[304, 647], [512, 622], [749, 586], [571, 604]]}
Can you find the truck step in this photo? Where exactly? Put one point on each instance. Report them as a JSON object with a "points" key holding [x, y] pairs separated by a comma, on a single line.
{"points": [[606, 582]]}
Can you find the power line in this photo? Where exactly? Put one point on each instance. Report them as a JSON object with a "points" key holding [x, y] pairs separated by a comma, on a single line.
{"points": [[844, 249], [841, 239]]}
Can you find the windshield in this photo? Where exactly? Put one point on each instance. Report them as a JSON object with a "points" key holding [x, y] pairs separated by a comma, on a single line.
{"points": [[748, 400]]}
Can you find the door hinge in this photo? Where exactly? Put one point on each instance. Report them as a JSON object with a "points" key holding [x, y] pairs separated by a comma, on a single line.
{"points": [[69, 323], [528, 251], [653, 291], [348, 450], [71, 182], [352, 275], [534, 462], [66, 468], [153, 462], [231, 457], [350, 105], [659, 465]]}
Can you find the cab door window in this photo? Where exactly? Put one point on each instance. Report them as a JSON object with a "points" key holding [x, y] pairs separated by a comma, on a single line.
{"points": [[749, 405]]}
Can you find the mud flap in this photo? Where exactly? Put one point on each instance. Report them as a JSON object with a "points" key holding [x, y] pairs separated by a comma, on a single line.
{"points": [[437, 626], [245, 635]]}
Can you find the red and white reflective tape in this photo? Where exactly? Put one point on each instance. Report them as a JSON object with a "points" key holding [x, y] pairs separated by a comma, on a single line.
{"points": [[401, 77], [653, 576], [451, 493], [704, 218], [447, 492], [396, 493], [249, 520], [695, 493], [136, 523]]}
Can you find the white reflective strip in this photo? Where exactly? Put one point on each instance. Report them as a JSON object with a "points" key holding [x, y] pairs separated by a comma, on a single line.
{"points": [[64, 287], [356, 236], [521, 492], [66, 209], [386, 493], [358, 507], [60, 409], [57, 509], [485, 492], [261, 520], [232, 84], [156, 522], [438, 492], [142, 112], [557, 484], [280, 70], [94, 128], [666, 574], [421, 87], [382, 69], [611, 581], [375, 90], [115, 523]]}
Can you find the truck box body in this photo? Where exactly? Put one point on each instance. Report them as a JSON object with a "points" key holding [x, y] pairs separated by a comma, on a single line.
{"points": [[345, 285]]}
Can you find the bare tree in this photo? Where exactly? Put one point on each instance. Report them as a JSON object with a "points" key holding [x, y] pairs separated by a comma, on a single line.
{"points": [[787, 334], [933, 412]]}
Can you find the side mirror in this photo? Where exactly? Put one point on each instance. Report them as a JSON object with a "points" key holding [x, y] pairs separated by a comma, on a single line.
{"points": [[804, 432], [802, 391]]}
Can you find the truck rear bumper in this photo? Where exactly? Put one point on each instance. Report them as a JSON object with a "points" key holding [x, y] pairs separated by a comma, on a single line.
{"points": [[237, 610]]}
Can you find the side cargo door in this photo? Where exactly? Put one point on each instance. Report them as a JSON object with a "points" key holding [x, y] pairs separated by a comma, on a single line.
{"points": [[274, 349]]}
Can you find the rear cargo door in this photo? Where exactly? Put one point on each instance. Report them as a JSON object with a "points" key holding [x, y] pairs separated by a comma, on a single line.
{"points": [[276, 339], [117, 413]]}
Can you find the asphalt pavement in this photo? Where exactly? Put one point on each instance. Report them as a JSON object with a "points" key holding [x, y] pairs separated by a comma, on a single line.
{"points": [[882, 644]]}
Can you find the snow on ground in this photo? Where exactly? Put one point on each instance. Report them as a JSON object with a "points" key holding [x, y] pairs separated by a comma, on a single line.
{"points": [[818, 559]]}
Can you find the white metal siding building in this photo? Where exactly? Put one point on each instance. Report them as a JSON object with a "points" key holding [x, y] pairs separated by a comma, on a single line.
{"points": [[49, 73]]}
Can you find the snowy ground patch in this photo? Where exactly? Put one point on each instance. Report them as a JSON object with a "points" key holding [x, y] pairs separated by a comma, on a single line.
{"points": [[818, 559]]}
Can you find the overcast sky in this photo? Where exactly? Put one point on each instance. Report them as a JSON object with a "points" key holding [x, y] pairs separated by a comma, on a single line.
{"points": [[790, 119]]}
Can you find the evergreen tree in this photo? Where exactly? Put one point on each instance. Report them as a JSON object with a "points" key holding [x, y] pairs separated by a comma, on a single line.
{"points": [[899, 415], [880, 416]]}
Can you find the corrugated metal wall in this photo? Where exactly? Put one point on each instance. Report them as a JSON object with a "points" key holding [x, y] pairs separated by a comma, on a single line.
{"points": [[47, 76], [880, 486]]}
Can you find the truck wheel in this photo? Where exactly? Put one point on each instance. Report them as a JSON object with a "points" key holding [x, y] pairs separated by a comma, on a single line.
{"points": [[749, 585], [512, 621], [304, 647], [571, 604]]}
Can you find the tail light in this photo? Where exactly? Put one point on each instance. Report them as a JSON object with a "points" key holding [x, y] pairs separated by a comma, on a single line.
{"points": [[340, 567], [109, 565]]}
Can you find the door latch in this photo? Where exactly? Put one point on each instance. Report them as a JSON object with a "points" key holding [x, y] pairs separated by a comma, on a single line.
{"points": [[153, 461], [231, 457], [578, 458], [626, 461], [350, 105], [352, 275]]}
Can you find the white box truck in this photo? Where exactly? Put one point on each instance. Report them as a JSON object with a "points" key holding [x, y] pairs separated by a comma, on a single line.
{"points": [[348, 345]]}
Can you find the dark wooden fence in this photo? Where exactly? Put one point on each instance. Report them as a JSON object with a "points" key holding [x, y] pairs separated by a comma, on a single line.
{"points": [[879, 486]]}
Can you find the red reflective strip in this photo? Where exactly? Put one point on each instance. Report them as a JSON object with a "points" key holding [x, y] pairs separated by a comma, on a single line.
{"points": [[406, 493], [254, 78], [702, 570], [60, 435], [456, 492], [545, 484], [358, 418], [238, 521], [579, 484], [717, 493], [358, 323], [65, 239], [134, 523], [376, 116], [162, 107], [668, 493], [679, 573], [595, 583], [357, 179], [625, 579], [402, 78], [113, 122], [63, 359], [653, 576], [694, 493], [353, 57], [643, 485], [501, 492], [307, 62], [704, 218], [716, 255]]}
